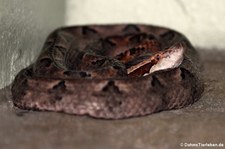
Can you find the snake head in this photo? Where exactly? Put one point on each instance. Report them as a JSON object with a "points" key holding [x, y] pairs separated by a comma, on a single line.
{"points": [[169, 59], [166, 59]]}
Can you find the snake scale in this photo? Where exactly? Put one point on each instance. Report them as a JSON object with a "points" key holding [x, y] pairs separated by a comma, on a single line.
{"points": [[111, 72]]}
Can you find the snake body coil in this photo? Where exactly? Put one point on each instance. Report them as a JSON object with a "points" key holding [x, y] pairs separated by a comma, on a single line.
{"points": [[111, 72]]}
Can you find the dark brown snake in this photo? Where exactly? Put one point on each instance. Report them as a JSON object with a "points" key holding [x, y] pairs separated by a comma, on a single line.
{"points": [[111, 72]]}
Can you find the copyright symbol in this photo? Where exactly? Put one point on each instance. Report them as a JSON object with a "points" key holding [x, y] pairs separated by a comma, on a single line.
{"points": [[181, 144]]}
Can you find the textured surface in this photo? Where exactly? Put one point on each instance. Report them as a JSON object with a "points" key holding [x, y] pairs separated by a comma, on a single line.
{"points": [[24, 26], [202, 122], [111, 72], [201, 21]]}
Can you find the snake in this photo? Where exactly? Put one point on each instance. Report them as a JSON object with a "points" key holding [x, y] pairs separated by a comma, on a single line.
{"points": [[113, 71]]}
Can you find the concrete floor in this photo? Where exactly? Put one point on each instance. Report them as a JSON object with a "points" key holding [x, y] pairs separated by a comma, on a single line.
{"points": [[203, 122]]}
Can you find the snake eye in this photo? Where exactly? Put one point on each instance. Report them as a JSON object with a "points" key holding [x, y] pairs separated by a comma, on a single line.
{"points": [[157, 57]]}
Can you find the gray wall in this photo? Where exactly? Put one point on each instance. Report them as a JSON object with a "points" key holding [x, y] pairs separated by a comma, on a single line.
{"points": [[24, 25]]}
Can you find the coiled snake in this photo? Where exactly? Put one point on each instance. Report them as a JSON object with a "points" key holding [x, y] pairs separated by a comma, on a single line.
{"points": [[111, 72]]}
